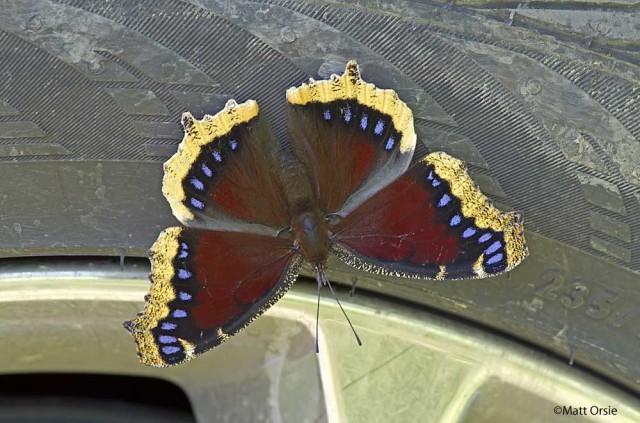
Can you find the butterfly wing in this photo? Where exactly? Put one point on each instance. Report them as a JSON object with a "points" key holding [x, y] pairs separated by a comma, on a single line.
{"points": [[352, 137], [206, 286], [433, 223], [226, 171], [207, 283]]}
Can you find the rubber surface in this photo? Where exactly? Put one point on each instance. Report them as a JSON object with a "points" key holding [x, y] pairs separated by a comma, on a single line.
{"points": [[542, 100]]}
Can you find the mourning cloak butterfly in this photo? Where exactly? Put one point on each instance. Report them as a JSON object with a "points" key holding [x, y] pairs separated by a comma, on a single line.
{"points": [[255, 212]]}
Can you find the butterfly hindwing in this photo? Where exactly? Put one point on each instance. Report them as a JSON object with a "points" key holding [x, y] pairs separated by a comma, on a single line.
{"points": [[205, 287], [226, 170], [434, 223], [352, 137]]}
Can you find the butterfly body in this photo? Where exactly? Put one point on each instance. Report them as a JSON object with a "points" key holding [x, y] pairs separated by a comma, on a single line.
{"points": [[309, 229], [254, 212]]}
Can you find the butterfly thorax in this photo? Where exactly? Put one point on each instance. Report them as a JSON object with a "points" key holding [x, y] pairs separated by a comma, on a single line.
{"points": [[311, 234]]}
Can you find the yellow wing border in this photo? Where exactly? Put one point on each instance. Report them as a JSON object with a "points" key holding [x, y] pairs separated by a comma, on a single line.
{"points": [[351, 86], [162, 255], [197, 135], [476, 205]]}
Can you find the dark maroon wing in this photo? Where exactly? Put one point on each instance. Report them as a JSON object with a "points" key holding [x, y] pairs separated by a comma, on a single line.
{"points": [[207, 284], [352, 137], [205, 287], [432, 223], [226, 173]]}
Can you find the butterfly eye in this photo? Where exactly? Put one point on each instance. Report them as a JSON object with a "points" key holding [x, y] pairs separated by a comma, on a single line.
{"points": [[332, 219]]}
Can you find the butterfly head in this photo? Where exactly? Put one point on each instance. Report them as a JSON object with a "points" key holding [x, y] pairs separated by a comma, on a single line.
{"points": [[312, 236]]}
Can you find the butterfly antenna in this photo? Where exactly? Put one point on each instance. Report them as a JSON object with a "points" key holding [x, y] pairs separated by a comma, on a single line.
{"points": [[321, 276], [318, 308]]}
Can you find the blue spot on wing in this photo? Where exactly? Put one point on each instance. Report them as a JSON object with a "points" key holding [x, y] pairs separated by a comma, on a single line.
{"points": [[184, 252], [493, 248], [167, 339], [168, 326], [197, 203], [390, 143], [233, 144], [197, 183], [177, 313], [170, 350], [184, 274], [485, 237], [496, 268], [216, 156], [347, 114], [363, 121], [435, 182], [379, 127], [444, 200], [206, 170], [184, 296], [327, 114], [456, 219], [495, 258], [469, 232]]}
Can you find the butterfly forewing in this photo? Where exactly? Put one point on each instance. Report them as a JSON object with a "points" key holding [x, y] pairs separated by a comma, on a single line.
{"points": [[210, 282], [434, 223], [226, 171], [352, 137], [205, 287]]}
